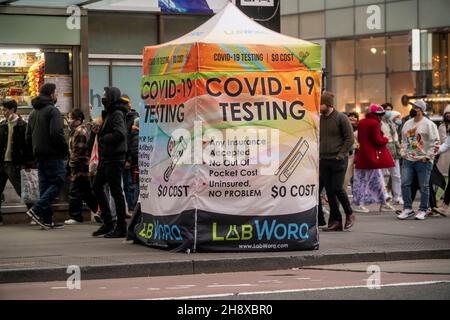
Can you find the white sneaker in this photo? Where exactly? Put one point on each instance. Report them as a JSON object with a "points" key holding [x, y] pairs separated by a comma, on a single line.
{"points": [[33, 223], [325, 210], [360, 209], [406, 213], [399, 201], [71, 221], [386, 208], [420, 215]]}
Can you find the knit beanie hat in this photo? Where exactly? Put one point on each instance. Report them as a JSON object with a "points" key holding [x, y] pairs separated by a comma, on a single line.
{"points": [[327, 98]]}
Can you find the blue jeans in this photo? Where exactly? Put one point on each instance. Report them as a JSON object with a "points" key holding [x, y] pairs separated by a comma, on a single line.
{"points": [[423, 172], [52, 176]]}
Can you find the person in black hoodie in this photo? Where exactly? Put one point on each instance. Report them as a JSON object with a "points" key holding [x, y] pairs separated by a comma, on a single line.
{"points": [[112, 150], [14, 153], [45, 134]]}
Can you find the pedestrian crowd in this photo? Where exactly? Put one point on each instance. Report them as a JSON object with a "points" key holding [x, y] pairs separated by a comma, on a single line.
{"points": [[99, 157], [383, 159]]}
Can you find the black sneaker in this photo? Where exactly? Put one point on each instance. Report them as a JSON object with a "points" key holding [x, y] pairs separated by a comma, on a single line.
{"points": [[118, 232], [104, 229], [53, 225], [36, 218]]}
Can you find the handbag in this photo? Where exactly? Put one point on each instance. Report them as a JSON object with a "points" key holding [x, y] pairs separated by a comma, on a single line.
{"points": [[29, 180]]}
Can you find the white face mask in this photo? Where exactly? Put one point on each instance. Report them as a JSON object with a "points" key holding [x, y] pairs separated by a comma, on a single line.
{"points": [[398, 122]]}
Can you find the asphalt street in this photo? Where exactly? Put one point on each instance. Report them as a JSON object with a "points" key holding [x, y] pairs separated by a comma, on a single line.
{"points": [[420, 279]]}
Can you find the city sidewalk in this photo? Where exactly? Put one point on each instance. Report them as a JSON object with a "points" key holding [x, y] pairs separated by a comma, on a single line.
{"points": [[30, 254]]}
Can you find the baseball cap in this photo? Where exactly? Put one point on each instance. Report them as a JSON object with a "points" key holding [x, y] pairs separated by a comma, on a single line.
{"points": [[374, 108], [419, 104]]}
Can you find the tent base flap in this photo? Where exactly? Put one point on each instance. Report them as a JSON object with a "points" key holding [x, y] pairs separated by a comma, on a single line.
{"points": [[217, 232]]}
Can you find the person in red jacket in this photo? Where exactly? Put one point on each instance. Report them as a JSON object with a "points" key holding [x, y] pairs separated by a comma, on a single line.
{"points": [[373, 155]]}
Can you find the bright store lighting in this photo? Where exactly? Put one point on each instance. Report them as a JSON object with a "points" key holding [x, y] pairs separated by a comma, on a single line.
{"points": [[12, 51]]}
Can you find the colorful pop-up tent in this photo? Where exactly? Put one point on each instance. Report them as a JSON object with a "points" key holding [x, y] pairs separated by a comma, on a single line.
{"points": [[229, 139]]}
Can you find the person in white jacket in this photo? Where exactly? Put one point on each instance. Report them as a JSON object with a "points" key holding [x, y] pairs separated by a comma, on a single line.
{"points": [[443, 150], [389, 128]]}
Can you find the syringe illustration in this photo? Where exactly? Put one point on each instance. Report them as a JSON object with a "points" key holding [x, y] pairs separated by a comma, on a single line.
{"points": [[175, 157], [292, 160]]}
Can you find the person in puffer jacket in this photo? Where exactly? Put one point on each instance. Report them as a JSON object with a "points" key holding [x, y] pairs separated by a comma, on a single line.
{"points": [[112, 150]]}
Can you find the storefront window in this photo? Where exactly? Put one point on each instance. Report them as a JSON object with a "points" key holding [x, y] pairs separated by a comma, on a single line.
{"points": [[370, 89], [124, 75], [398, 53], [344, 91], [440, 62], [370, 55], [98, 79], [24, 71], [343, 57], [399, 84], [128, 80]]}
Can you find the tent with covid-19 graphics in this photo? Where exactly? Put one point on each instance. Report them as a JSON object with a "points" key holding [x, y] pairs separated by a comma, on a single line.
{"points": [[228, 152]]}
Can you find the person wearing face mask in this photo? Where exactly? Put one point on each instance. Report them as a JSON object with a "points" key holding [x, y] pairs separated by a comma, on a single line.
{"points": [[420, 143], [336, 140], [112, 149], [444, 158], [14, 152], [354, 120], [80, 187], [45, 133], [372, 157], [389, 128]]}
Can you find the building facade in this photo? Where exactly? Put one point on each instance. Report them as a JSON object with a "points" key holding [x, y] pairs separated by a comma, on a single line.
{"points": [[369, 49]]}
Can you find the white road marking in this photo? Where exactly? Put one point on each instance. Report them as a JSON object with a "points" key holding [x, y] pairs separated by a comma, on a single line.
{"points": [[298, 290], [180, 286], [303, 278], [196, 297], [153, 289], [232, 285], [345, 287], [270, 281], [58, 288]]}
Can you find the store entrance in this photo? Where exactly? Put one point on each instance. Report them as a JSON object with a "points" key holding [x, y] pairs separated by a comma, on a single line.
{"points": [[23, 71]]}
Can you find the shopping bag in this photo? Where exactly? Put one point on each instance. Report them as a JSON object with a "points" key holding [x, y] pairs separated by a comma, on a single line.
{"points": [[29, 185], [93, 161]]}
